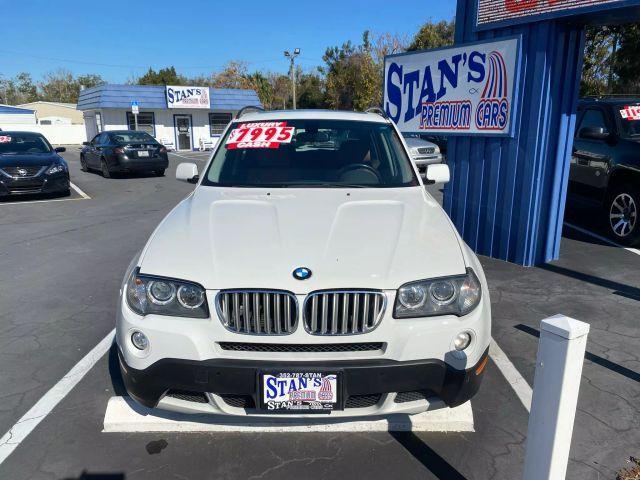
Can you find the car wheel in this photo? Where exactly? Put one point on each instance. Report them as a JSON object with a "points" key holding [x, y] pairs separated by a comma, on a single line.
{"points": [[83, 164], [105, 169], [159, 173], [623, 208]]}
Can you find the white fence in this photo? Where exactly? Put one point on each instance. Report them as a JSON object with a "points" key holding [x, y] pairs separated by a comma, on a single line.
{"points": [[56, 134]]}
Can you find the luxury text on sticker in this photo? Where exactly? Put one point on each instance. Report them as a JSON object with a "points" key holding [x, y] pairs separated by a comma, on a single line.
{"points": [[631, 112], [259, 135], [5, 139]]}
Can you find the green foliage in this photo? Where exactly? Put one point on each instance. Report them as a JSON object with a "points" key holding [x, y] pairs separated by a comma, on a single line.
{"points": [[58, 86], [611, 60], [164, 76], [310, 91], [433, 35], [353, 80]]}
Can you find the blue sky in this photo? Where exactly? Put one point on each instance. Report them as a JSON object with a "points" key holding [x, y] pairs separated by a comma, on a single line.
{"points": [[121, 39]]}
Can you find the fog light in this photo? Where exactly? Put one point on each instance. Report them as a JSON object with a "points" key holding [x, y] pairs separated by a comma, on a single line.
{"points": [[462, 341], [140, 340]]}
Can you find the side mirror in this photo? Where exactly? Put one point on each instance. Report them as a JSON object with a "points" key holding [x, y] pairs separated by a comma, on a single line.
{"points": [[187, 172], [437, 173], [594, 133], [86, 143], [60, 149]]}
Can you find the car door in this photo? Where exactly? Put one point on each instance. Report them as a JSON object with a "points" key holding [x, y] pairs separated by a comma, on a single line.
{"points": [[90, 152], [101, 141], [591, 156]]}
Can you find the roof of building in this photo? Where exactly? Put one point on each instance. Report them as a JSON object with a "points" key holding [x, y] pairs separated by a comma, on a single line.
{"points": [[259, 116], [153, 97], [15, 110], [42, 102]]}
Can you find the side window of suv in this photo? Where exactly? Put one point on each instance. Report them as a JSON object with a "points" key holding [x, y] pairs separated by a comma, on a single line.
{"points": [[593, 117]]}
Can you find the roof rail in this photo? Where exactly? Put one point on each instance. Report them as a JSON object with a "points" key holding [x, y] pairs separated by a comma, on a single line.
{"points": [[379, 111], [247, 108]]}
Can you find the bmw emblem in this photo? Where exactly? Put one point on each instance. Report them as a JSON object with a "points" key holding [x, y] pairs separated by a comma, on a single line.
{"points": [[302, 273]]}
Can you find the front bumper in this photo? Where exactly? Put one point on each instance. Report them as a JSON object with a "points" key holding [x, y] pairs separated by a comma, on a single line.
{"points": [[370, 387], [41, 184]]}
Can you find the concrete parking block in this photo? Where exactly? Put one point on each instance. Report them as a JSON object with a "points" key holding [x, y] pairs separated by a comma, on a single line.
{"points": [[125, 416]]}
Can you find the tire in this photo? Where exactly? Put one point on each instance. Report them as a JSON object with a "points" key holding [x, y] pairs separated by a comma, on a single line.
{"points": [[622, 211], [105, 169], [83, 164], [159, 173]]}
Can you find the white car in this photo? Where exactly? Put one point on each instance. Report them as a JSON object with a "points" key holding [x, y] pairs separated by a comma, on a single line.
{"points": [[423, 153], [309, 272]]}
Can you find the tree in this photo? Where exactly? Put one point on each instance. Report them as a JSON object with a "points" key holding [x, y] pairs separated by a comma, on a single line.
{"points": [[17, 90], [353, 81], [310, 90], [234, 75], [59, 86], [433, 35], [625, 61], [164, 76], [90, 80]]}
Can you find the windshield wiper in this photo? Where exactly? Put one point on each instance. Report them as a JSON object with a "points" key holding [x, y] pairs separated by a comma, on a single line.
{"points": [[325, 185]]}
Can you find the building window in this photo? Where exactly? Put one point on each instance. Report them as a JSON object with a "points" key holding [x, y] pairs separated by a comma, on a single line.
{"points": [[146, 122], [218, 122], [99, 122]]}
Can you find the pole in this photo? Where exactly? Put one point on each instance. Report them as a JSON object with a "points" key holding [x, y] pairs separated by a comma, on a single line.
{"points": [[293, 80], [555, 396], [135, 120]]}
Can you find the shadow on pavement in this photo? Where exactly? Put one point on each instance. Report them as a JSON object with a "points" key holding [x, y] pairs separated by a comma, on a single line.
{"points": [[617, 288], [114, 372], [603, 362], [425, 455], [98, 476]]}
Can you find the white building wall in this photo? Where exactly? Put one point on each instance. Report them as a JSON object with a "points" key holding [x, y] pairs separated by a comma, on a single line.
{"points": [[17, 119], [56, 134]]}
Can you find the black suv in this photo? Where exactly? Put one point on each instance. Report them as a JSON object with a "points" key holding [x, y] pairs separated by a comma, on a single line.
{"points": [[605, 162]]}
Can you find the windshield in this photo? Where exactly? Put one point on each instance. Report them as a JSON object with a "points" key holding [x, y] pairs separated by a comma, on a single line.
{"points": [[132, 137], [310, 153], [629, 120], [22, 143]]}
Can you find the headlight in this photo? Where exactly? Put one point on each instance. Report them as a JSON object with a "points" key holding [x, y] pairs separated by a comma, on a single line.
{"points": [[439, 296], [164, 296], [59, 167]]}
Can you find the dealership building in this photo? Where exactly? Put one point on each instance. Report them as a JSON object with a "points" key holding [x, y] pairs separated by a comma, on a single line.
{"points": [[180, 117]]}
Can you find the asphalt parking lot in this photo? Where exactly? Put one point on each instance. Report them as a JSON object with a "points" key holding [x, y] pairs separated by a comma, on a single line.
{"points": [[62, 264]]}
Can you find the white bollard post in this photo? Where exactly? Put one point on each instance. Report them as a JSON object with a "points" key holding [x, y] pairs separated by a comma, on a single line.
{"points": [[563, 341]]}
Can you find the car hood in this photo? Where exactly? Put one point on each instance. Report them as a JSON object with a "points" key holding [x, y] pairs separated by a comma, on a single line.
{"points": [[28, 160], [255, 238]]}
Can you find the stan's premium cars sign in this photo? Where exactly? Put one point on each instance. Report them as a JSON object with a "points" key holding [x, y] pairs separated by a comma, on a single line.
{"points": [[188, 97], [492, 12], [467, 89]]}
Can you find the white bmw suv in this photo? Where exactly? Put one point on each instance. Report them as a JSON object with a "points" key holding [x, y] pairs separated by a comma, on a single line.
{"points": [[309, 272]]}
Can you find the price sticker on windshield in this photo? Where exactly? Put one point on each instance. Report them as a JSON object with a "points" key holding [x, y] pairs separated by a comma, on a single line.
{"points": [[631, 112], [5, 139], [259, 135]]}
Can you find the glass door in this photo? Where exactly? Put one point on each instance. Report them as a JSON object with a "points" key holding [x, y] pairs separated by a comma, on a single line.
{"points": [[183, 132]]}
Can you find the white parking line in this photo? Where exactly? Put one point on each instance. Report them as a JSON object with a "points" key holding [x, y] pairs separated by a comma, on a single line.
{"points": [[79, 191], [198, 158], [601, 238], [30, 420], [124, 415], [511, 374]]}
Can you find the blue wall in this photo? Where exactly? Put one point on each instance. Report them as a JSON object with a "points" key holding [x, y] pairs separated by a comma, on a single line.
{"points": [[507, 195]]}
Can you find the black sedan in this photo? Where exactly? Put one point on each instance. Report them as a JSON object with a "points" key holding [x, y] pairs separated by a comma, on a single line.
{"points": [[30, 165], [121, 151]]}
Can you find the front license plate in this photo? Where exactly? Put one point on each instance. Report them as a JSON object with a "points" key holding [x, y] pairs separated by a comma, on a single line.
{"points": [[143, 154], [300, 392]]}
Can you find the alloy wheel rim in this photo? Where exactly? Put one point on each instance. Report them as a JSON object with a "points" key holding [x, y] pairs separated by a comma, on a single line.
{"points": [[623, 215]]}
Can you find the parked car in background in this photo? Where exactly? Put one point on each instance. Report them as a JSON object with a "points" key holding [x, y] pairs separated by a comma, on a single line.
{"points": [[308, 272], [605, 162], [30, 165], [121, 151], [423, 153]]}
